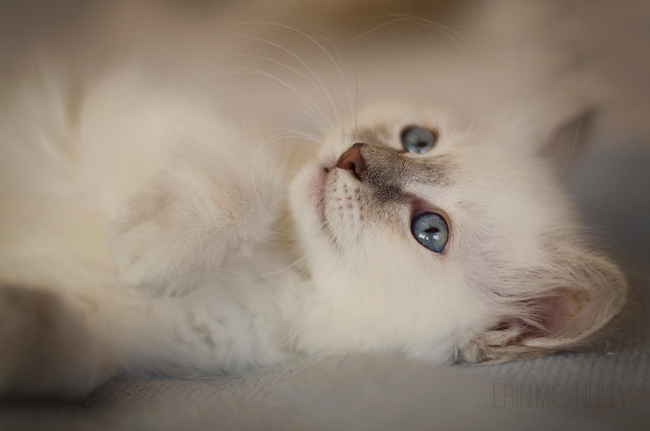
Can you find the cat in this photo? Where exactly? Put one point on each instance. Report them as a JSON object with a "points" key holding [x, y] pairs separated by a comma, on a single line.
{"points": [[143, 232]]}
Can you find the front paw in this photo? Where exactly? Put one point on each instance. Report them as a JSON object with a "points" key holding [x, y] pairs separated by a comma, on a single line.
{"points": [[163, 244], [178, 230], [46, 348]]}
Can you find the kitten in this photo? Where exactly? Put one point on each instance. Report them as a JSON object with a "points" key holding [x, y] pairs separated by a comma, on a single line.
{"points": [[132, 244]]}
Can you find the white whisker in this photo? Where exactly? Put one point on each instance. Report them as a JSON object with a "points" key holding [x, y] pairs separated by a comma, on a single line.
{"points": [[251, 71]]}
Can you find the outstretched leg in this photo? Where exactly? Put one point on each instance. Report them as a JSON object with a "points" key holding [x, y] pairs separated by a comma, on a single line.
{"points": [[65, 345]]}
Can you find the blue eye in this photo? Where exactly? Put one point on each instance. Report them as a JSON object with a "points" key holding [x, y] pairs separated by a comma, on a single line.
{"points": [[431, 231], [418, 140]]}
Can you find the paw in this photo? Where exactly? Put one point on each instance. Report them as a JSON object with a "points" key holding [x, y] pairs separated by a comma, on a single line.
{"points": [[176, 233], [46, 348], [163, 245]]}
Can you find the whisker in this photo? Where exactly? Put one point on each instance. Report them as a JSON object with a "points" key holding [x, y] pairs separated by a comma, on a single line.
{"points": [[573, 147], [462, 44], [352, 105], [293, 55], [302, 75], [479, 110], [331, 100], [244, 70], [284, 135]]}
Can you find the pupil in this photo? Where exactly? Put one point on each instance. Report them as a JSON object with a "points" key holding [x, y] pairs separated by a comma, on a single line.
{"points": [[432, 230]]}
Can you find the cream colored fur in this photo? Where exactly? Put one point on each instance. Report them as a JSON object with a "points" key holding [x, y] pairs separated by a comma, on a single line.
{"points": [[143, 231]]}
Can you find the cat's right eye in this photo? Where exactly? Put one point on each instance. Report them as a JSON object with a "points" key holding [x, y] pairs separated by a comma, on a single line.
{"points": [[418, 140], [430, 229]]}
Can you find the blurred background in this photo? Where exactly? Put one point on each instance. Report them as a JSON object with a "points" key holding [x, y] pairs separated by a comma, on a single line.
{"points": [[283, 63], [474, 55], [404, 49], [274, 60]]}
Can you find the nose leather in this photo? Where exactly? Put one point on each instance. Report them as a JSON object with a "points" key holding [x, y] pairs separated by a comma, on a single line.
{"points": [[352, 160]]}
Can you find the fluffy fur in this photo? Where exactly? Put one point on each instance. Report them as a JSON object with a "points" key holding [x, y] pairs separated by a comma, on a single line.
{"points": [[141, 231]]}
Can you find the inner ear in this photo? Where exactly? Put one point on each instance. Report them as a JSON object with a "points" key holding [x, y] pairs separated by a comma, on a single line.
{"points": [[566, 142], [560, 314], [560, 307]]}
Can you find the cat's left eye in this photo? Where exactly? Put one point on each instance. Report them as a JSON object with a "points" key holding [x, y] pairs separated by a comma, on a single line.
{"points": [[418, 140], [430, 229]]}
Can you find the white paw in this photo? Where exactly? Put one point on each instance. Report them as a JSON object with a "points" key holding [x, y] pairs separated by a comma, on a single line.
{"points": [[176, 232], [163, 245], [46, 348]]}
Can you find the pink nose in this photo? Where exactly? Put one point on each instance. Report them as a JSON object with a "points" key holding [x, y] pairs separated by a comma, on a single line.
{"points": [[353, 161]]}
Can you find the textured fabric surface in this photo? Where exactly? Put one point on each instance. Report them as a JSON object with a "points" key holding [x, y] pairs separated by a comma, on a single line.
{"points": [[608, 389], [592, 391], [369, 392]]}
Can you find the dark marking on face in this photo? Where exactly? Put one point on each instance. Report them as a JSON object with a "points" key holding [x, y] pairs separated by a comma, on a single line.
{"points": [[389, 170]]}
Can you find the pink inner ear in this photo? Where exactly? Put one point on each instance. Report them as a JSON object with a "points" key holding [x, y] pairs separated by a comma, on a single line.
{"points": [[582, 295], [561, 313], [564, 312]]}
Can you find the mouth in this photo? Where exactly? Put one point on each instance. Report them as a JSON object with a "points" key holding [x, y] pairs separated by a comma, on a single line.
{"points": [[320, 186], [332, 196], [340, 207], [321, 196]]}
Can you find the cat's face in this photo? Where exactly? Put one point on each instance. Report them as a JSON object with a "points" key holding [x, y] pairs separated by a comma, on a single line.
{"points": [[430, 240]]}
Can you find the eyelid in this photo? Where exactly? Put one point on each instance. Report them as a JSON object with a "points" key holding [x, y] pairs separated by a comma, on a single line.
{"points": [[406, 141], [409, 127], [419, 207]]}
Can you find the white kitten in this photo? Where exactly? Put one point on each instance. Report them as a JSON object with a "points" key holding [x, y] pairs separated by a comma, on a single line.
{"points": [[141, 232]]}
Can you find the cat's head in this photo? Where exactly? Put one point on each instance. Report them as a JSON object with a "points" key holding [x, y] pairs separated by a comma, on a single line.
{"points": [[447, 244]]}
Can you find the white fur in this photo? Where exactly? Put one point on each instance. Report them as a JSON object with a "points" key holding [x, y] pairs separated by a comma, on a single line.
{"points": [[142, 232]]}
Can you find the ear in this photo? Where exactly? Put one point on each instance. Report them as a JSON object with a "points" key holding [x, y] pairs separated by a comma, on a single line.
{"points": [[566, 142], [561, 307]]}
